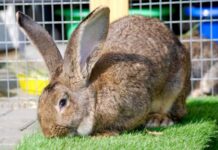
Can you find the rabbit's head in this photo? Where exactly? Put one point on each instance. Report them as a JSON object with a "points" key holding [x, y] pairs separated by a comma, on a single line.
{"points": [[62, 104]]}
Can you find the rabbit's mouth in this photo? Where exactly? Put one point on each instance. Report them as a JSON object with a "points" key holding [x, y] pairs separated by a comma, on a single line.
{"points": [[66, 131], [59, 131]]}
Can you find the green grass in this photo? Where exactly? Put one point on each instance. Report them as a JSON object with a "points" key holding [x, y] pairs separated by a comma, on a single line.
{"points": [[198, 130]]}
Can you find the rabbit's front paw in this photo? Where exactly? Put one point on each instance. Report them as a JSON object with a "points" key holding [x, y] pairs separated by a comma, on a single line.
{"points": [[106, 133], [158, 120]]}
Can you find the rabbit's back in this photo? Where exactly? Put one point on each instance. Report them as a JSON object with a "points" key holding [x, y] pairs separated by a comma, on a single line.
{"points": [[141, 47], [148, 41], [140, 35], [142, 63]]}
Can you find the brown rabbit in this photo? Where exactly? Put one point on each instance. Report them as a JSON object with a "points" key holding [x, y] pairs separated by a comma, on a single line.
{"points": [[112, 78], [203, 70], [208, 84]]}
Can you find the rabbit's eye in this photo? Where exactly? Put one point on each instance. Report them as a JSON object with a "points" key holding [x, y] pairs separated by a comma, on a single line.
{"points": [[62, 102]]}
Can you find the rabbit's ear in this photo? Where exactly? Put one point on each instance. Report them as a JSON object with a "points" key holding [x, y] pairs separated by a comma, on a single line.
{"points": [[85, 44], [42, 40]]}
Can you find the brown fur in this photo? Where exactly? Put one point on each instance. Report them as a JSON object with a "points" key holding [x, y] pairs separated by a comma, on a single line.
{"points": [[140, 69]]}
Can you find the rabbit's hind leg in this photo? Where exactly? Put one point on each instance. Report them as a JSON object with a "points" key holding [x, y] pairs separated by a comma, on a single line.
{"points": [[170, 103], [178, 110], [158, 120]]}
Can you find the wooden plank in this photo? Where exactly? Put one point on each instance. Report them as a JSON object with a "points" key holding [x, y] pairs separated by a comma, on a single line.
{"points": [[118, 8]]}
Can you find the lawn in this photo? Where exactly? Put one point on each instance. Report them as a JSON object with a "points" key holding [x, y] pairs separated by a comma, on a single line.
{"points": [[198, 130]]}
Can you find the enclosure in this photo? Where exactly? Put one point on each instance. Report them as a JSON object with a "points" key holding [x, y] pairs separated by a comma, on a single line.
{"points": [[23, 73]]}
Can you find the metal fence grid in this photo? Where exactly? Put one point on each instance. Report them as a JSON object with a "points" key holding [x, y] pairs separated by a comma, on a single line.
{"points": [[20, 62], [196, 32]]}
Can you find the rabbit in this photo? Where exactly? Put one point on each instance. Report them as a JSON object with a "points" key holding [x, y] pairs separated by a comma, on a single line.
{"points": [[203, 69], [112, 78], [208, 84]]}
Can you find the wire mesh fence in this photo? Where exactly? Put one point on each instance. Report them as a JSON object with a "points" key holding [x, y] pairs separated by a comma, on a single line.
{"points": [[23, 73], [195, 23]]}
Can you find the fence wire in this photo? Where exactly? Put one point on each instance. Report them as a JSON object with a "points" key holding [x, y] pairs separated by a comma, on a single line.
{"points": [[23, 72]]}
